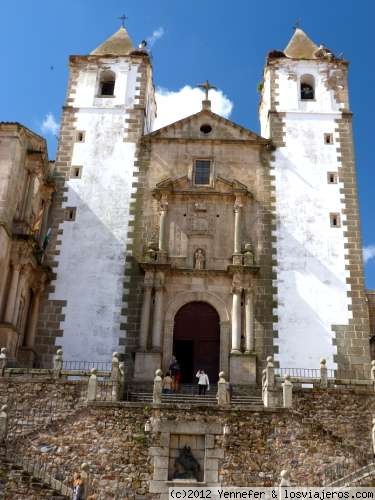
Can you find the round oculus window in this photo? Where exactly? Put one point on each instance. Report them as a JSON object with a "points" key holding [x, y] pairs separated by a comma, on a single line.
{"points": [[206, 129]]}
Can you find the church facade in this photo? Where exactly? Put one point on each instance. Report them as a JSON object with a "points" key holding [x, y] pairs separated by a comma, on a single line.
{"points": [[203, 239]]}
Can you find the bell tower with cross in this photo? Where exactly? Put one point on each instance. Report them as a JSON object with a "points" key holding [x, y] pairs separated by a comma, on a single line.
{"points": [[110, 105], [317, 250]]}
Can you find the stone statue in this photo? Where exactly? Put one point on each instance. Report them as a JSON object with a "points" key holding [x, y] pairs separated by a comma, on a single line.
{"points": [[248, 255], [199, 259], [186, 466], [151, 251]]}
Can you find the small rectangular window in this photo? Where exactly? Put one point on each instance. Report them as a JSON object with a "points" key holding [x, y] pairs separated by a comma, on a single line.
{"points": [[202, 172], [328, 138], [335, 220], [332, 177], [80, 136], [75, 172], [70, 213]]}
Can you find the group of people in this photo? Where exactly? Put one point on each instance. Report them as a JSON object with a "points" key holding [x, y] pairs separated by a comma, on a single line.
{"points": [[172, 379]]}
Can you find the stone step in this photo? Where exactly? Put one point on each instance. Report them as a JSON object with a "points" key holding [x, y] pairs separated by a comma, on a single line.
{"points": [[146, 397]]}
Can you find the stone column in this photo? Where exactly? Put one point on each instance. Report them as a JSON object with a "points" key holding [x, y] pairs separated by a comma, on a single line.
{"points": [[158, 312], [236, 319], [146, 308], [31, 327], [11, 302], [162, 225], [249, 320]]}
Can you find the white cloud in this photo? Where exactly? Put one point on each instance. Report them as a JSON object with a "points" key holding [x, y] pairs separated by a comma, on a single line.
{"points": [[156, 35], [369, 253], [50, 125], [175, 105]]}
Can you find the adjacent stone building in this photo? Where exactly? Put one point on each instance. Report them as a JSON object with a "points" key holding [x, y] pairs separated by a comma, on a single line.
{"points": [[26, 188], [203, 239]]}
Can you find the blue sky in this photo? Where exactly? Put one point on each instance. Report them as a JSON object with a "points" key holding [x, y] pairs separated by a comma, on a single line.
{"points": [[223, 41]]}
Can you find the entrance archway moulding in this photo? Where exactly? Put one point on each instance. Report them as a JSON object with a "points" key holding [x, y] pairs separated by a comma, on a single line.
{"points": [[180, 300]]}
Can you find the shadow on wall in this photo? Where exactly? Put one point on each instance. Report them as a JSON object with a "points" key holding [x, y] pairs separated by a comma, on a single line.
{"points": [[90, 278]]}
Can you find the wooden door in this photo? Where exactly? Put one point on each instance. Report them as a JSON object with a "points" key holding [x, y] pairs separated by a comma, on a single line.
{"points": [[197, 325]]}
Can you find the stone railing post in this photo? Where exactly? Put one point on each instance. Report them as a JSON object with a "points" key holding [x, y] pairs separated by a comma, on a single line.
{"points": [[92, 386], [284, 479], [270, 373], [3, 423], [270, 395], [3, 361], [122, 378], [323, 373], [264, 376], [85, 476], [287, 392], [223, 391], [373, 370], [58, 363], [158, 386], [115, 377]]}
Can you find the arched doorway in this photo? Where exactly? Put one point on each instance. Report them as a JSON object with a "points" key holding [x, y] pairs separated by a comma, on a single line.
{"points": [[196, 340]]}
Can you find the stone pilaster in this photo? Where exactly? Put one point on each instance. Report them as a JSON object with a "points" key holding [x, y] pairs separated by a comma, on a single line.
{"points": [[146, 310], [158, 312]]}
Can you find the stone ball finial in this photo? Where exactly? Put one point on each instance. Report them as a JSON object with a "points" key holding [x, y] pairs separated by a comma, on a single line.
{"points": [[59, 352], [372, 362], [4, 408], [323, 361], [221, 374], [269, 359], [115, 355], [158, 373], [85, 466], [3, 350], [93, 371], [284, 474]]}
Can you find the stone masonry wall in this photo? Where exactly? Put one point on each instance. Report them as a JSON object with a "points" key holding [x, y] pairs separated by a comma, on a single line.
{"points": [[323, 428]]}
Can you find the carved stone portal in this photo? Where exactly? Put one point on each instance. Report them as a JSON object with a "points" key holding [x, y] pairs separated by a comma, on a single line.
{"points": [[186, 465]]}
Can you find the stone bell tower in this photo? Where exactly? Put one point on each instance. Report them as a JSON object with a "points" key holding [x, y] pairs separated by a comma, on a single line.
{"points": [[109, 106], [317, 253]]}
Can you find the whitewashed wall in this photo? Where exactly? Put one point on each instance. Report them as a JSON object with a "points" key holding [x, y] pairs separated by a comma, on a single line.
{"points": [[90, 273], [311, 275]]}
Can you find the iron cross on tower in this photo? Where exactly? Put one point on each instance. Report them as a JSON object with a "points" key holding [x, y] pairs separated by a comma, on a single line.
{"points": [[206, 86], [123, 19]]}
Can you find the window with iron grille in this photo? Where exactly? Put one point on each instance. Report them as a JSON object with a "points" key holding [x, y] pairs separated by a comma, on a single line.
{"points": [[202, 172]]}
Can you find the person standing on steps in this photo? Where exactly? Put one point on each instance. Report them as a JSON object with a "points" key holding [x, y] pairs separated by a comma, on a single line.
{"points": [[203, 382], [175, 372]]}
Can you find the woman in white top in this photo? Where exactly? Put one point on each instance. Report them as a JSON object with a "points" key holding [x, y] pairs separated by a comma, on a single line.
{"points": [[203, 382]]}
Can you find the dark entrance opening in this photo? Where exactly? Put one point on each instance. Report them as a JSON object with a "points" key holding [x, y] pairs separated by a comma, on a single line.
{"points": [[196, 341]]}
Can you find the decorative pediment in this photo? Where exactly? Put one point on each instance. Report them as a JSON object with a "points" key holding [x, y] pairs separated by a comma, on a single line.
{"points": [[206, 126], [184, 185]]}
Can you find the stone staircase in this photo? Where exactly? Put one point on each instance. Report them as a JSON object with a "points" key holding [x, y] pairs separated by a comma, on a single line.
{"points": [[188, 396], [363, 474], [16, 482]]}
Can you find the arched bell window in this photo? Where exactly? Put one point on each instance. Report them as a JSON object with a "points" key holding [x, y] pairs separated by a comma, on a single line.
{"points": [[307, 88], [107, 83]]}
